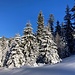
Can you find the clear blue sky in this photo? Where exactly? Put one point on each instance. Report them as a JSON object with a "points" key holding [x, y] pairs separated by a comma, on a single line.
{"points": [[14, 14]]}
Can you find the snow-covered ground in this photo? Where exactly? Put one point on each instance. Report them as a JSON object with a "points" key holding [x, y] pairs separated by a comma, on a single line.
{"points": [[66, 67]]}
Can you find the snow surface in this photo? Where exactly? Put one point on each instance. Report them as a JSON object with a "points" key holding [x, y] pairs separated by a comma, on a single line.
{"points": [[66, 67]]}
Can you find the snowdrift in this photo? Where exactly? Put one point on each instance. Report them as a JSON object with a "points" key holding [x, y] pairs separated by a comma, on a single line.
{"points": [[66, 67]]}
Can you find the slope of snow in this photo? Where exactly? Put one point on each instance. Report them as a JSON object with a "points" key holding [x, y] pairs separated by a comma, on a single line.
{"points": [[66, 67]]}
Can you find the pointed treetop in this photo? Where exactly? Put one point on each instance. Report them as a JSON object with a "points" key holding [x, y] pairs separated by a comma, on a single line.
{"points": [[67, 9], [17, 35], [40, 13], [51, 19], [28, 24], [28, 29], [40, 18], [68, 15]]}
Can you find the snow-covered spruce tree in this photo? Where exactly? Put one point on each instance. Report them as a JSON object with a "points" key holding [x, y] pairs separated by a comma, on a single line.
{"points": [[15, 57], [40, 23], [48, 50], [29, 45], [4, 48], [40, 28]]}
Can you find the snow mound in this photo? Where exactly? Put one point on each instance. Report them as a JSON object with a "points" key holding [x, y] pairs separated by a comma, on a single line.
{"points": [[66, 67]]}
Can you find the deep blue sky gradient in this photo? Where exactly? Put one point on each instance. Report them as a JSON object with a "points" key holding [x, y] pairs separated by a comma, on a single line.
{"points": [[14, 14]]}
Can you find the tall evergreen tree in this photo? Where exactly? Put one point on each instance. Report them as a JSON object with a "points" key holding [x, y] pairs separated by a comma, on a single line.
{"points": [[61, 42], [14, 57], [40, 23], [73, 25], [68, 29], [48, 50], [40, 27], [30, 45]]}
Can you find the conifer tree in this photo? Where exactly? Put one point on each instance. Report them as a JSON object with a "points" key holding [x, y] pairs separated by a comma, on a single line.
{"points": [[40, 28], [68, 29], [48, 50], [30, 45], [62, 45], [15, 57], [4, 48], [73, 25], [40, 23]]}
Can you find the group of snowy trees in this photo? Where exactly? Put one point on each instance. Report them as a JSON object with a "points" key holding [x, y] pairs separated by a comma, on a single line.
{"points": [[47, 46]]}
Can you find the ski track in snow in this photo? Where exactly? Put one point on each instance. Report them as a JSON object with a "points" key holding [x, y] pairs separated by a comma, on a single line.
{"points": [[66, 67]]}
